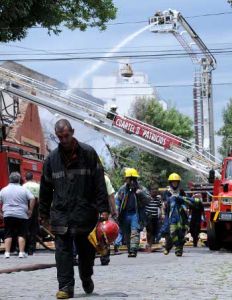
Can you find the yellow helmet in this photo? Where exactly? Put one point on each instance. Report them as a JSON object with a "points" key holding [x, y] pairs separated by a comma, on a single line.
{"points": [[174, 177], [131, 172]]}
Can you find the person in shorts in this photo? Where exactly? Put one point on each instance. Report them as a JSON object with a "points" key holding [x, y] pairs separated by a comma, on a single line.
{"points": [[17, 206]]}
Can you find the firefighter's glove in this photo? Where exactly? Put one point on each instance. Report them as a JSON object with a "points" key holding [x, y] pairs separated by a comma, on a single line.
{"points": [[104, 216], [92, 237]]}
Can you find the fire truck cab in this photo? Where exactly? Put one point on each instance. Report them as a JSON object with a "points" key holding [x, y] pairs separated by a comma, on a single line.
{"points": [[219, 229]]}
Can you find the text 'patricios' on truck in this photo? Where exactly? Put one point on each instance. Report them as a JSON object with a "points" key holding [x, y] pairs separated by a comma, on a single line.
{"points": [[146, 132]]}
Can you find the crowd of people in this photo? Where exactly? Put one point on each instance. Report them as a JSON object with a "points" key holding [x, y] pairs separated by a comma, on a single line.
{"points": [[75, 194], [164, 214]]}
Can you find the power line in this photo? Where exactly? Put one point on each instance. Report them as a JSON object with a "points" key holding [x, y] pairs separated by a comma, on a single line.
{"points": [[175, 51], [150, 85], [131, 56], [98, 48], [210, 15], [188, 17]]}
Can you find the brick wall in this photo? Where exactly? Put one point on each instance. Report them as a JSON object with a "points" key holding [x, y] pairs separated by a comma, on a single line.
{"points": [[27, 127]]}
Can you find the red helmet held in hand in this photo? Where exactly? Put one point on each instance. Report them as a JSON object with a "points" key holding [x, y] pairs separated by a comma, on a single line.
{"points": [[107, 232]]}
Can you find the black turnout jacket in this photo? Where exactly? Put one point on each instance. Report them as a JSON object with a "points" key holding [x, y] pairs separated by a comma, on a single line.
{"points": [[73, 196]]}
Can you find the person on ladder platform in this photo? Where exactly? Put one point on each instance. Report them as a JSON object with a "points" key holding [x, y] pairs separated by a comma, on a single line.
{"points": [[73, 194], [132, 198]]}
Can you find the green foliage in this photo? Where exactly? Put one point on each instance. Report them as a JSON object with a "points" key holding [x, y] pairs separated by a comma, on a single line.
{"points": [[226, 130], [16, 17], [154, 169]]}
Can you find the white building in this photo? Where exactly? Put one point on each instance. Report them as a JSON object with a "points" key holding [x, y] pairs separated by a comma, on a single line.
{"points": [[123, 91]]}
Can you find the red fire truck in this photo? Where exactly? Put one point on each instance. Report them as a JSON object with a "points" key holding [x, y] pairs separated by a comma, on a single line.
{"points": [[18, 158], [220, 222]]}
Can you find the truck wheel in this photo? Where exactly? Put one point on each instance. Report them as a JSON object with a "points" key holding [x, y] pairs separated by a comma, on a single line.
{"points": [[212, 238]]}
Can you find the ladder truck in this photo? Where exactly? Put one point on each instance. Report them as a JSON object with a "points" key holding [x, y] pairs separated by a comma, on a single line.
{"points": [[134, 132], [172, 21]]}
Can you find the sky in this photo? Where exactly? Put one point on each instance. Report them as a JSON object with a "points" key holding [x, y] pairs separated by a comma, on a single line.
{"points": [[215, 31]]}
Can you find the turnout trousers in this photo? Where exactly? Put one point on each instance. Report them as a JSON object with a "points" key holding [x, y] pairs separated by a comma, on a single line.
{"points": [[176, 237], [130, 228], [64, 258]]}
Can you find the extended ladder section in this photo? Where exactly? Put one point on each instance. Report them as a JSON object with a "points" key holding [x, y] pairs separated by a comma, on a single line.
{"points": [[198, 109], [171, 21], [144, 136]]}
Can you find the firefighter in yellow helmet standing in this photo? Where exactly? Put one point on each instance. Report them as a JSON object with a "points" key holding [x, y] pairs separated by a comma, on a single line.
{"points": [[131, 200], [176, 217]]}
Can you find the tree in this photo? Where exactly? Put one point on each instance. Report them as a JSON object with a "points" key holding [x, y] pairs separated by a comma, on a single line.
{"points": [[226, 130], [152, 112], [16, 17], [153, 168]]}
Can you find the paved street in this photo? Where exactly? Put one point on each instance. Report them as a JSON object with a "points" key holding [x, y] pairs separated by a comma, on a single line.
{"points": [[199, 274]]}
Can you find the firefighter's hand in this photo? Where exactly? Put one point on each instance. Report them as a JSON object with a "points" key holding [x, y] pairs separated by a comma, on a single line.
{"points": [[115, 216], [1, 215], [104, 216], [114, 213], [138, 191]]}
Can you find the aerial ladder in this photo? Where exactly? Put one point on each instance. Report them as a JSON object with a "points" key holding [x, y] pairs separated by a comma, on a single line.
{"points": [[144, 136], [171, 21]]}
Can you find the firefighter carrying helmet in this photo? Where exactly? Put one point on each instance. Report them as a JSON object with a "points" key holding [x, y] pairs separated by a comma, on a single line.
{"points": [[131, 172], [107, 232], [174, 177]]}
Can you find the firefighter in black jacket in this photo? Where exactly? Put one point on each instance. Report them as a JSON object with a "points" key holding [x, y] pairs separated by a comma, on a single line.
{"points": [[73, 196]]}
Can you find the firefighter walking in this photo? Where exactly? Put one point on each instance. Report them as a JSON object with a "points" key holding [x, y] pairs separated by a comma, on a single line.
{"points": [[73, 194], [176, 216], [132, 198]]}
